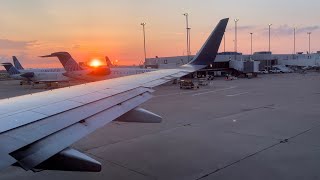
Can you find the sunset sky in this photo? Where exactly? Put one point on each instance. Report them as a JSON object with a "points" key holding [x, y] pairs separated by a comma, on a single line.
{"points": [[96, 28]]}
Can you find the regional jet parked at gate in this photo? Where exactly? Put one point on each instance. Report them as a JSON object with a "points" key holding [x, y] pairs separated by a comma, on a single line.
{"points": [[75, 71], [36, 130], [34, 77], [72, 70]]}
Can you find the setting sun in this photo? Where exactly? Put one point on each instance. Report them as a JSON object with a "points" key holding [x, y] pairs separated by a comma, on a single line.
{"points": [[95, 63]]}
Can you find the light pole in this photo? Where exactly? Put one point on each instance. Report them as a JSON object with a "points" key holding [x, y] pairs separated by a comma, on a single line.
{"points": [[269, 66], [309, 33], [224, 42], [189, 30], [269, 36], [294, 40], [235, 38], [251, 43], [144, 41], [188, 34]]}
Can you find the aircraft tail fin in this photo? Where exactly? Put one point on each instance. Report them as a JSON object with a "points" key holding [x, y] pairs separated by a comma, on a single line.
{"points": [[209, 50], [109, 64], [10, 68], [16, 63], [66, 60]]}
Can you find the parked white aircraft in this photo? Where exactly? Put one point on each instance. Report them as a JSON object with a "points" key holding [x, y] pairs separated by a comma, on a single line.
{"points": [[13, 72], [34, 77], [37, 130], [75, 71]]}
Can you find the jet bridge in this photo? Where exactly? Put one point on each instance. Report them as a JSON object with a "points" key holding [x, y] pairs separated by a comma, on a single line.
{"points": [[245, 66]]}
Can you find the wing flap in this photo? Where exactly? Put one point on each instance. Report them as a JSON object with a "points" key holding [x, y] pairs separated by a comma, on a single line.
{"points": [[55, 108], [19, 119], [32, 155], [180, 74], [155, 83]]}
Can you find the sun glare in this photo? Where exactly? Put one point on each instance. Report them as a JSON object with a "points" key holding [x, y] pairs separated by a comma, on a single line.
{"points": [[95, 63]]}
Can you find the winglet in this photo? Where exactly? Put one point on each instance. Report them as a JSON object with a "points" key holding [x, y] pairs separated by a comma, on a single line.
{"points": [[209, 50], [16, 63]]}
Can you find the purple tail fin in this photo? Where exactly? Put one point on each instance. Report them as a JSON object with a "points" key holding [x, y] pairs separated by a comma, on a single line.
{"points": [[66, 60], [16, 63], [10, 68]]}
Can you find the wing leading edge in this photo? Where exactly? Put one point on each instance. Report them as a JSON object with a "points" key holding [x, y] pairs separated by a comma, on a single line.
{"points": [[39, 128]]}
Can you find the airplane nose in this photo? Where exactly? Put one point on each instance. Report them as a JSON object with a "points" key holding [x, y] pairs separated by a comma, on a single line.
{"points": [[27, 75]]}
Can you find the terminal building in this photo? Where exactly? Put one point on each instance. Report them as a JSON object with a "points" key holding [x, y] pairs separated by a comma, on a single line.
{"points": [[231, 62]]}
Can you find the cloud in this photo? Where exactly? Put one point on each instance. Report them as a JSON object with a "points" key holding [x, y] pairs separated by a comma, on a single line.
{"points": [[10, 44], [4, 58], [242, 28], [308, 29], [288, 30], [22, 56]]}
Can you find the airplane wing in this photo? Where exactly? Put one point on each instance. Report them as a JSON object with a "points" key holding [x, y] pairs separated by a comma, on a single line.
{"points": [[36, 130]]}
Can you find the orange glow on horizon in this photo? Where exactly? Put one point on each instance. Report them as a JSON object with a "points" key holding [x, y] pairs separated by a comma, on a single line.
{"points": [[95, 63]]}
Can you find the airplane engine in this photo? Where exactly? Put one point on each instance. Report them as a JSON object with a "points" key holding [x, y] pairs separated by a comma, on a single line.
{"points": [[28, 75]]}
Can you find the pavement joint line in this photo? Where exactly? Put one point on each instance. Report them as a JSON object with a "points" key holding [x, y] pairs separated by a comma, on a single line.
{"points": [[214, 91], [258, 152], [238, 161], [180, 93], [292, 137], [137, 137], [238, 94], [184, 125], [254, 135]]}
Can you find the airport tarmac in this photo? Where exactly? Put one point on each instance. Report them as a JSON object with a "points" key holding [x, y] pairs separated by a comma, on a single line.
{"points": [[262, 128]]}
